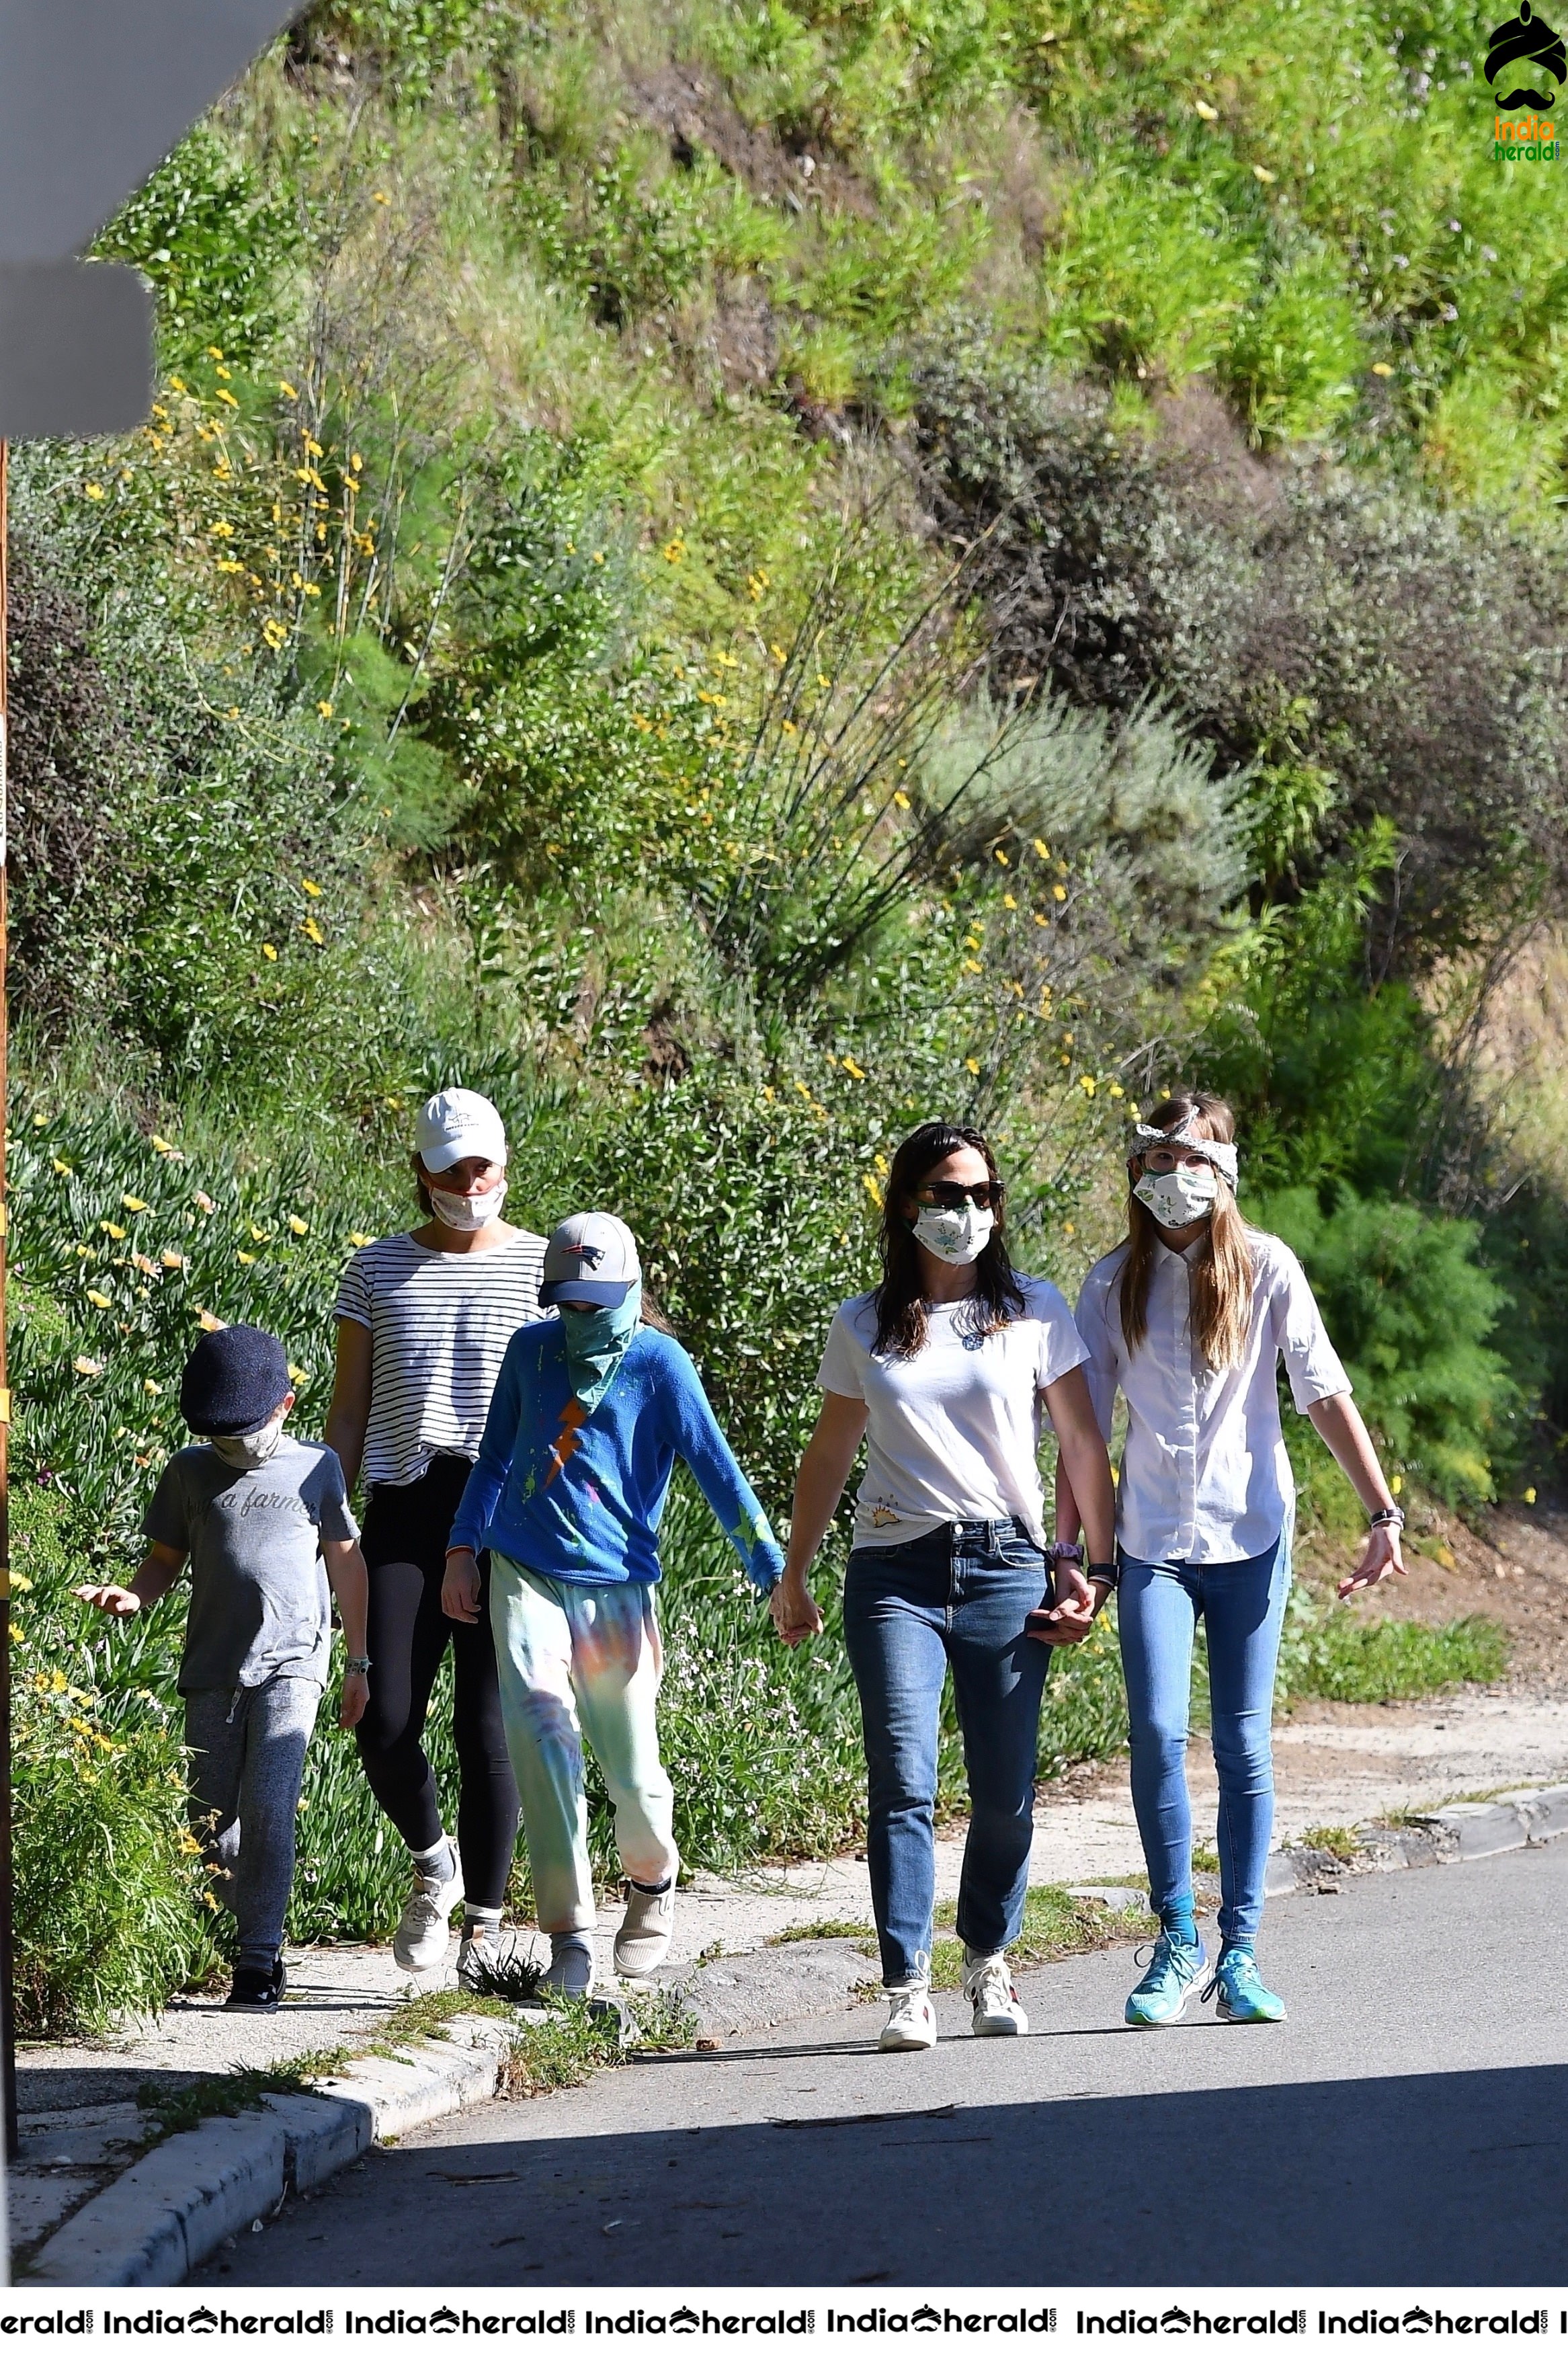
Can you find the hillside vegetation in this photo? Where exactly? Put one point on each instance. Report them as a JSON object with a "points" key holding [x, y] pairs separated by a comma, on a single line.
{"points": [[737, 577]]}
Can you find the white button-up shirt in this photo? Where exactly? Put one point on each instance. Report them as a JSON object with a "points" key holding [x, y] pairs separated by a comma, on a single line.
{"points": [[1204, 1474]]}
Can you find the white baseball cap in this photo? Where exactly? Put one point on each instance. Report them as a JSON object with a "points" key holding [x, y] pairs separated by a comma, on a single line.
{"points": [[591, 1259], [458, 1124]]}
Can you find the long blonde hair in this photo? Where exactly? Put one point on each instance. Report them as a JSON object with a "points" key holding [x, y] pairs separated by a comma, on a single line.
{"points": [[1221, 1264]]}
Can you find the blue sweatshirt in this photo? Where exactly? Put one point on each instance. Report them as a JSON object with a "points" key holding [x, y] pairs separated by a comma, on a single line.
{"points": [[580, 1496]]}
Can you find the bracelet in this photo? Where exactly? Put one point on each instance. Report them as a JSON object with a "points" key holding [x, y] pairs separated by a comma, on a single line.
{"points": [[1392, 1518], [357, 1666], [1103, 1572]]}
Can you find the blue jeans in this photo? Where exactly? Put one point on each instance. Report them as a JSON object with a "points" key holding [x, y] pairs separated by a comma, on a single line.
{"points": [[955, 1597], [1242, 1604]]}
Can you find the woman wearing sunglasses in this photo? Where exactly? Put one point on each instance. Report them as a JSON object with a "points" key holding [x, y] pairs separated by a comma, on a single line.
{"points": [[944, 1369], [1189, 1317]]}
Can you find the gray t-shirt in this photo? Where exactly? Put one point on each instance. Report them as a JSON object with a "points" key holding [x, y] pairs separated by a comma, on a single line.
{"points": [[259, 1602]]}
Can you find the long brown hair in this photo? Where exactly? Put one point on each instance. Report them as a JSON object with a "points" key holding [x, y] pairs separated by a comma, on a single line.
{"points": [[899, 1298], [1221, 1264]]}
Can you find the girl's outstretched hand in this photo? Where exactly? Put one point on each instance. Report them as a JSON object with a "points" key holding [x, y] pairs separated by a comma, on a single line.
{"points": [[1382, 1558], [796, 1615], [355, 1700], [460, 1588], [117, 1600]]}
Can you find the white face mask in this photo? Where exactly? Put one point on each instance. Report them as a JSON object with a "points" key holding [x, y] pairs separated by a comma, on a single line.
{"points": [[955, 1236], [248, 1453], [1180, 1197], [466, 1212]]}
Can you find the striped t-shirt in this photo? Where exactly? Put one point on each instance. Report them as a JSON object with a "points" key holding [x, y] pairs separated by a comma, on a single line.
{"points": [[439, 1321]]}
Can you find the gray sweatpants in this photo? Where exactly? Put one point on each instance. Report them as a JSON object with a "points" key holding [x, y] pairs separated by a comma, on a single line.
{"points": [[248, 1759]]}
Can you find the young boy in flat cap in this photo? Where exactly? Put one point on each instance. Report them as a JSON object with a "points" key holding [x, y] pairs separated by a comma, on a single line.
{"points": [[266, 1523]]}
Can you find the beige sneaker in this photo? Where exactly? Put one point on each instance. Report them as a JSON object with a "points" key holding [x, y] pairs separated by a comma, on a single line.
{"points": [[989, 1987], [642, 1940], [912, 2021], [423, 1932]]}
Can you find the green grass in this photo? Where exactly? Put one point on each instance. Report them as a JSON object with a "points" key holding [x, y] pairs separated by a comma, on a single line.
{"points": [[815, 1931], [1332, 1838], [1344, 1657], [180, 2107]]}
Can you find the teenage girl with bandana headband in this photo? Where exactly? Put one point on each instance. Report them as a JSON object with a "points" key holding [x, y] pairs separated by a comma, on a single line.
{"points": [[592, 1407], [1189, 1318]]}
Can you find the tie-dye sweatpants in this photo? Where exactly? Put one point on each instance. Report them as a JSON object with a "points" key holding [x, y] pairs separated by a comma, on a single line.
{"points": [[575, 1661]]}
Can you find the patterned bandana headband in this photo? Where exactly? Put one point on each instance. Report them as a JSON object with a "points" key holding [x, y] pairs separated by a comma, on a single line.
{"points": [[1153, 1139]]}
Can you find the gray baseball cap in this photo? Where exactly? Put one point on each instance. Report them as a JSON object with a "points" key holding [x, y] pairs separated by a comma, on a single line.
{"points": [[591, 1260]]}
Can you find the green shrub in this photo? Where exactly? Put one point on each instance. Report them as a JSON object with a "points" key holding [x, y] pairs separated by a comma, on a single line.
{"points": [[1411, 1313], [1335, 1654]]}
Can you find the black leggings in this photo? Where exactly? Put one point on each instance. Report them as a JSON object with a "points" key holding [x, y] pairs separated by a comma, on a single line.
{"points": [[407, 1531]]}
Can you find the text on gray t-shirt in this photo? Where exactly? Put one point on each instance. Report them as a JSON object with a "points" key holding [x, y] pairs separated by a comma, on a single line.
{"points": [[260, 1603]]}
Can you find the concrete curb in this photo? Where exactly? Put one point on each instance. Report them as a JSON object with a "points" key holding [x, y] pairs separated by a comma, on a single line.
{"points": [[1464, 1834], [175, 2206]]}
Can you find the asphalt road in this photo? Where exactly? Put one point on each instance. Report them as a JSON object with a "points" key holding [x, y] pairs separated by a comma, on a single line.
{"points": [[1407, 2126]]}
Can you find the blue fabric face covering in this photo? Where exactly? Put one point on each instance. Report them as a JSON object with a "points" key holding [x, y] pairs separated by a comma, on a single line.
{"points": [[596, 1339]]}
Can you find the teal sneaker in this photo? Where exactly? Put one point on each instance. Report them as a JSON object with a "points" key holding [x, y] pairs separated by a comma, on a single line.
{"points": [[1168, 1984], [1243, 1999]]}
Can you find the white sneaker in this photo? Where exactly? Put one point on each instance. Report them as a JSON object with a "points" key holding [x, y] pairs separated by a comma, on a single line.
{"points": [[423, 1932], [912, 2021], [988, 1987], [642, 1940]]}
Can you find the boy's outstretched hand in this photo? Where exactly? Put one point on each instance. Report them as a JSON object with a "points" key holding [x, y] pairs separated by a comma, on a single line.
{"points": [[355, 1700], [117, 1600]]}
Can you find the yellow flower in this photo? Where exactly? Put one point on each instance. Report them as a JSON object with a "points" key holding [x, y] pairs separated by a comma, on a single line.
{"points": [[901, 800], [209, 1322], [1002, 858], [205, 1203], [245, 1257], [1043, 849], [325, 709], [1395, 1483], [61, 1167], [971, 1066], [1086, 1083], [1057, 891], [287, 390], [258, 1234], [87, 1366], [269, 952], [313, 930], [361, 1241], [969, 965], [299, 1376], [115, 1233], [874, 1190], [132, 1201], [298, 1226], [160, 1144], [1529, 1497], [381, 197], [173, 1259], [1258, 173], [311, 890], [1009, 900], [95, 490], [146, 1265], [153, 1388], [1113, 1088], [1381, 367], [20, 1584], [1208, 113], [853, 1068], [176, 384]]}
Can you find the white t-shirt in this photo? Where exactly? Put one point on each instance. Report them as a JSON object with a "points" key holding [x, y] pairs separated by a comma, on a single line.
{"points": [[439, 1321], [952, 1433]]}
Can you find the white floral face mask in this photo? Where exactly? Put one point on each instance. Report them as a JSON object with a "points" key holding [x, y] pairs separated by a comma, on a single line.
{"points": [[1180, 1197], [955, 1236]]}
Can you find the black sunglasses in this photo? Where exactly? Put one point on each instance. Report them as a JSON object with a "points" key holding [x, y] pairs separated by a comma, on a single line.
{"points": [[987, 1196]]}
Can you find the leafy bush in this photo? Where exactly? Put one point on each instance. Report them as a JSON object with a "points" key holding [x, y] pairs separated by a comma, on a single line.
{"points": [[1411, 1313], [1333, 1653]]}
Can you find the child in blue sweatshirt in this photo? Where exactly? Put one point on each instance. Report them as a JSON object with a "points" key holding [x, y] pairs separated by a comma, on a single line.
{"points": [[590, 1411]]}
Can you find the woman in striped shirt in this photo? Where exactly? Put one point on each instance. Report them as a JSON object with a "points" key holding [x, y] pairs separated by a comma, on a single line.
{"points": [[423, 1319]]}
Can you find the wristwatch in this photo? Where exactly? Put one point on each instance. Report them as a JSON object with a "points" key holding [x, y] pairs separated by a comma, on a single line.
{"points": [[1393, 1517], [1102, 1572], [357, 1666]]}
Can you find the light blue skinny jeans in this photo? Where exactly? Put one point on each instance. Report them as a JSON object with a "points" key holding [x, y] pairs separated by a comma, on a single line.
{"points": [[1242, 1605]]}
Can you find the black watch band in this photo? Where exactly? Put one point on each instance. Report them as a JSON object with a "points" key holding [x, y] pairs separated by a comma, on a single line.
{"points": [[1102, 1572]]}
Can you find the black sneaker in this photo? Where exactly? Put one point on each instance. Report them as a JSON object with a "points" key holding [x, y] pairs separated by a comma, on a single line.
{"points": [[258, 1989]]}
